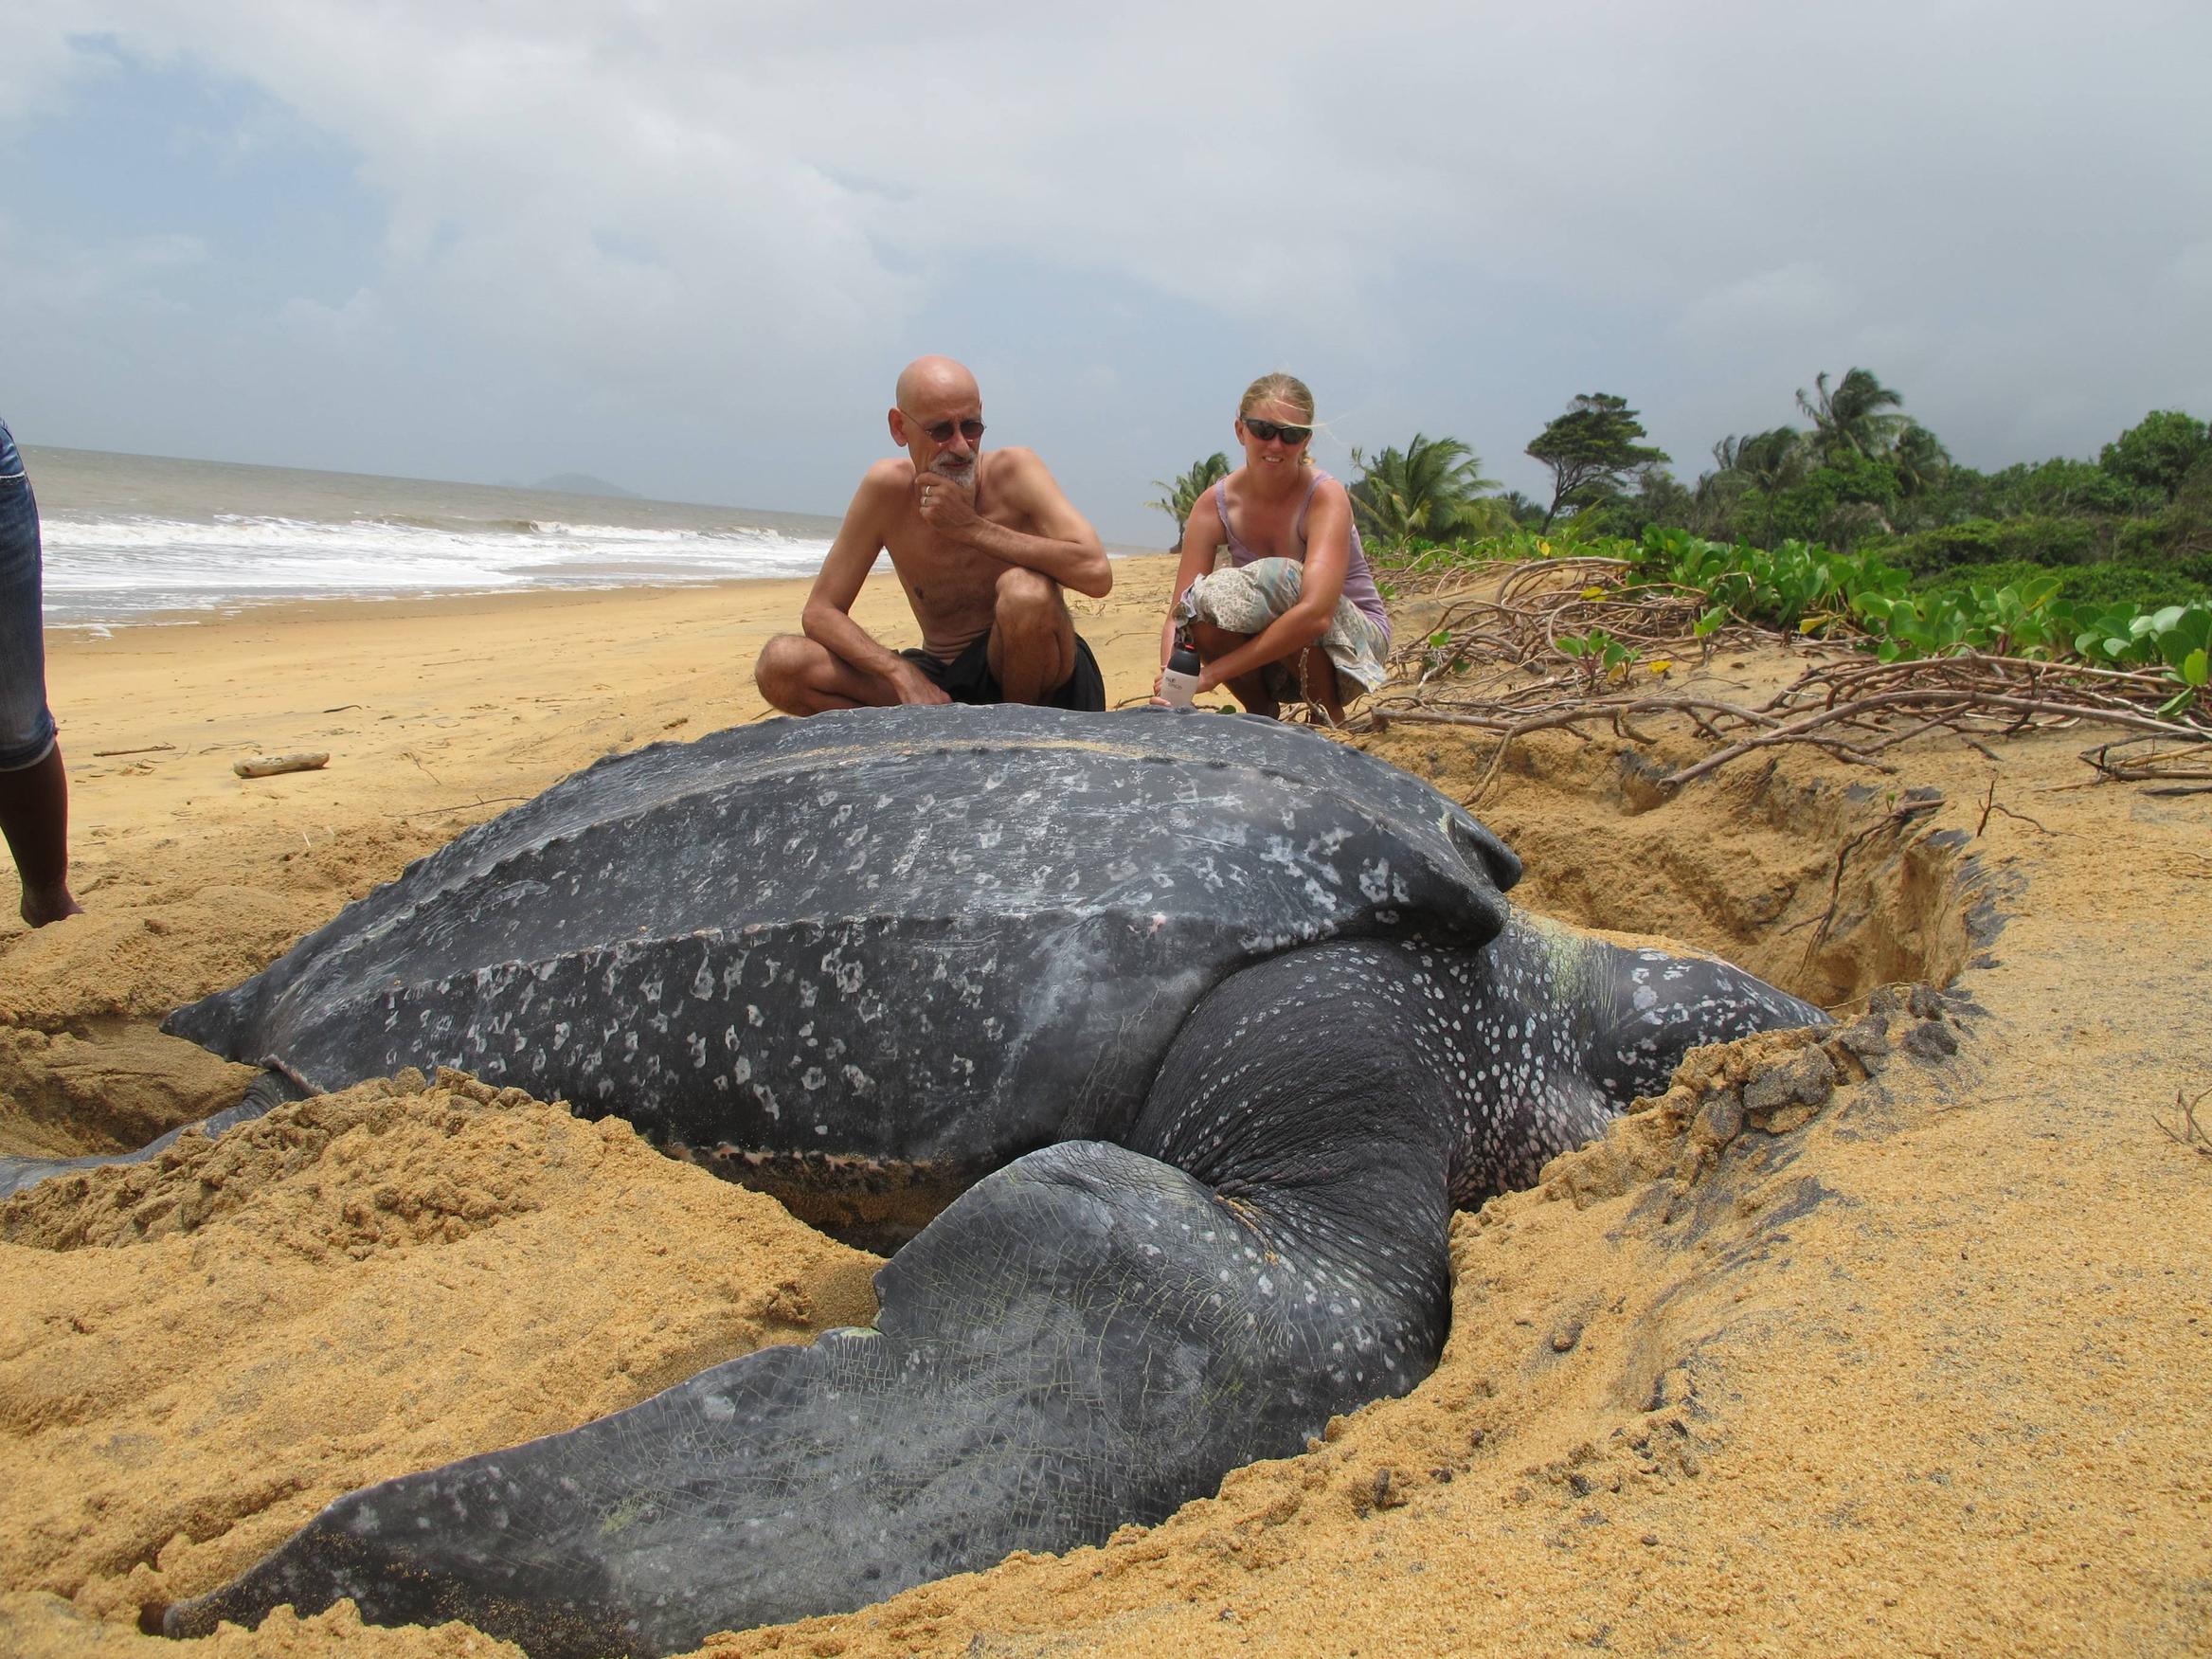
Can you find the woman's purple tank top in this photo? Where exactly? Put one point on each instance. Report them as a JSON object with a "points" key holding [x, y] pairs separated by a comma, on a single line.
{"points": [[1358, 578]]}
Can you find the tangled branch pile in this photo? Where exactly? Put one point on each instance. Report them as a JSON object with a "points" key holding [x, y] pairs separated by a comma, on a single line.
{"points": [[1556, 646]]}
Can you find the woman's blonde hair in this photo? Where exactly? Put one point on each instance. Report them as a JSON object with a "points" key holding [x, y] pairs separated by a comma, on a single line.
{"points": [[1280, 389]]}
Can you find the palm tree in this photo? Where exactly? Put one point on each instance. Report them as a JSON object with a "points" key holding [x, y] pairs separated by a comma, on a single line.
{"points": [[1852, 419], [1182, 495], [1921, 460], [1428, 490], [1520, 508], [1766, 461]]}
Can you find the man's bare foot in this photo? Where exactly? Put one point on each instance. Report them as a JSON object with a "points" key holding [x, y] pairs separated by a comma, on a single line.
{"points": [[51, 904]]}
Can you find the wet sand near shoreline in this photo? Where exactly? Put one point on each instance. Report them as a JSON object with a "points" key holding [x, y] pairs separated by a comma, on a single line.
{"points": [[1898, 1344]]}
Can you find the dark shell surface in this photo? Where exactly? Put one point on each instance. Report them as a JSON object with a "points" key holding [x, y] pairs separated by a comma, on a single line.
{"points": [[937, 936]]}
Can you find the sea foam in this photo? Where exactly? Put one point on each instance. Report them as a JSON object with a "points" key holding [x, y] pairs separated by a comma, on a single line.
{"points": [[106, 569]]}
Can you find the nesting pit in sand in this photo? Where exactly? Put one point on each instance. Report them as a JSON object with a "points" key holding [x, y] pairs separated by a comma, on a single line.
{"points": [[1895, 1339]]}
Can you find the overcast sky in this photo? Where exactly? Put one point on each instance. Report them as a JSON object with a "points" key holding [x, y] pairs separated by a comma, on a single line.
{"points": [[686, 244]]}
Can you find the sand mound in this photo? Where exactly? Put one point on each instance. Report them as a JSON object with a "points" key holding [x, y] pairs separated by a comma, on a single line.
{"points": [[196, 1355]]}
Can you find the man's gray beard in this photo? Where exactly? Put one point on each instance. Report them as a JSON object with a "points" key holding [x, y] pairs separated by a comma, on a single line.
{"points": [[964, 477]]}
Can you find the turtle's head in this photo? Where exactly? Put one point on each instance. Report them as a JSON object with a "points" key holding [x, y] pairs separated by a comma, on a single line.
{"points": [[1639, 1004]]}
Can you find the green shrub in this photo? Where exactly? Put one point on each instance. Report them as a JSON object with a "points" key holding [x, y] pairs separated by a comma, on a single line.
{"points": [[1795, 585], [2179, 534], [1820, 501], [2176, 637], [1994, 541], [2107, 581], [2158, 453], [2058, 487]]}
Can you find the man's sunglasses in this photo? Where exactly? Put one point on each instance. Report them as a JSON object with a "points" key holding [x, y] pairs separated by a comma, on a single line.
{"points": [[1264, 430], [942, 432]]}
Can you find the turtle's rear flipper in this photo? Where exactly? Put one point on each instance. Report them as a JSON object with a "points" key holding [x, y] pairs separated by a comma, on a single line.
{"points": [[270, 1089], [1086, 1338]]}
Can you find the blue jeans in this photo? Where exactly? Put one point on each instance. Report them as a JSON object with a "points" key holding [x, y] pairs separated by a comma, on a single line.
{"points": [[27, 726]]}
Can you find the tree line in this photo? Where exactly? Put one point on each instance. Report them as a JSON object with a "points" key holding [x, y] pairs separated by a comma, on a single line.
{"points": [[2133, 525]]}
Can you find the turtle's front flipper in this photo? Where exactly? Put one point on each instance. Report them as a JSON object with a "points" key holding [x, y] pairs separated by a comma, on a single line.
{"points": [[1088, 1337], [270, 1089]]}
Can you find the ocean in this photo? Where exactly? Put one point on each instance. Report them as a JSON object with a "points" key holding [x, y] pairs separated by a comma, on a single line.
{"points": [[132, 538]]}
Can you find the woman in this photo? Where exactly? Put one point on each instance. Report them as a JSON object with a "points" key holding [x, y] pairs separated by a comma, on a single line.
{"points": [[34, 792], [1274, 591]]}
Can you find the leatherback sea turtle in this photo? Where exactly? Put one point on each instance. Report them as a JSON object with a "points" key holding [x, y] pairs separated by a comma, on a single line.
{"points": [[1213, 1020]]}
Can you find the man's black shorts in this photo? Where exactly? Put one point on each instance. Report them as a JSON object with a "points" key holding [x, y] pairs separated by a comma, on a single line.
{"points": [[967, 679]]}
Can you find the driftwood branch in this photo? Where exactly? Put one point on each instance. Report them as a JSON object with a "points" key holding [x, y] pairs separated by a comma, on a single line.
{"points": [[2137, 760], [269, 766]]}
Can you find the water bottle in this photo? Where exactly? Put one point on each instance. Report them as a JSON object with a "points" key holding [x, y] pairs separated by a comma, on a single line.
{"points": [[1179, 680]]}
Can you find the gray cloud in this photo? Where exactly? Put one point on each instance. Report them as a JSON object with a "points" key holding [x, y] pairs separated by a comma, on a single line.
{"points": [[689, 247]]}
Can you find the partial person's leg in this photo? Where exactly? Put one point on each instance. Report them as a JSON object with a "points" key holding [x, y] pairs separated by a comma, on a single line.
{"points": [[1032, 637], [34, 816], [800, 676], [34, 790], [1212, 641]]}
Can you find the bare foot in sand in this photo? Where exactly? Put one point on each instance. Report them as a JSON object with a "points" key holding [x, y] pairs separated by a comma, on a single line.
{"points": [[49, 904], [35, 821]]}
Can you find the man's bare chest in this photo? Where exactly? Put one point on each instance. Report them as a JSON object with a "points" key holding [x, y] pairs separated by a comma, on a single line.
{"points": [[926, 556]]}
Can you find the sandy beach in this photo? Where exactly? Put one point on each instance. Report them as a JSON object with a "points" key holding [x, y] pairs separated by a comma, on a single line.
{"points": [[1901, 1342]]}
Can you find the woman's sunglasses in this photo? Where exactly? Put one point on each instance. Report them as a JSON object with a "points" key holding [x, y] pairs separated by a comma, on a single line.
{"points": [[1264, 430]]}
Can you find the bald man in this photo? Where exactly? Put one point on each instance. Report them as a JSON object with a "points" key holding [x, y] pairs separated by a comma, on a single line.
{"points": [[983, 545]]}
